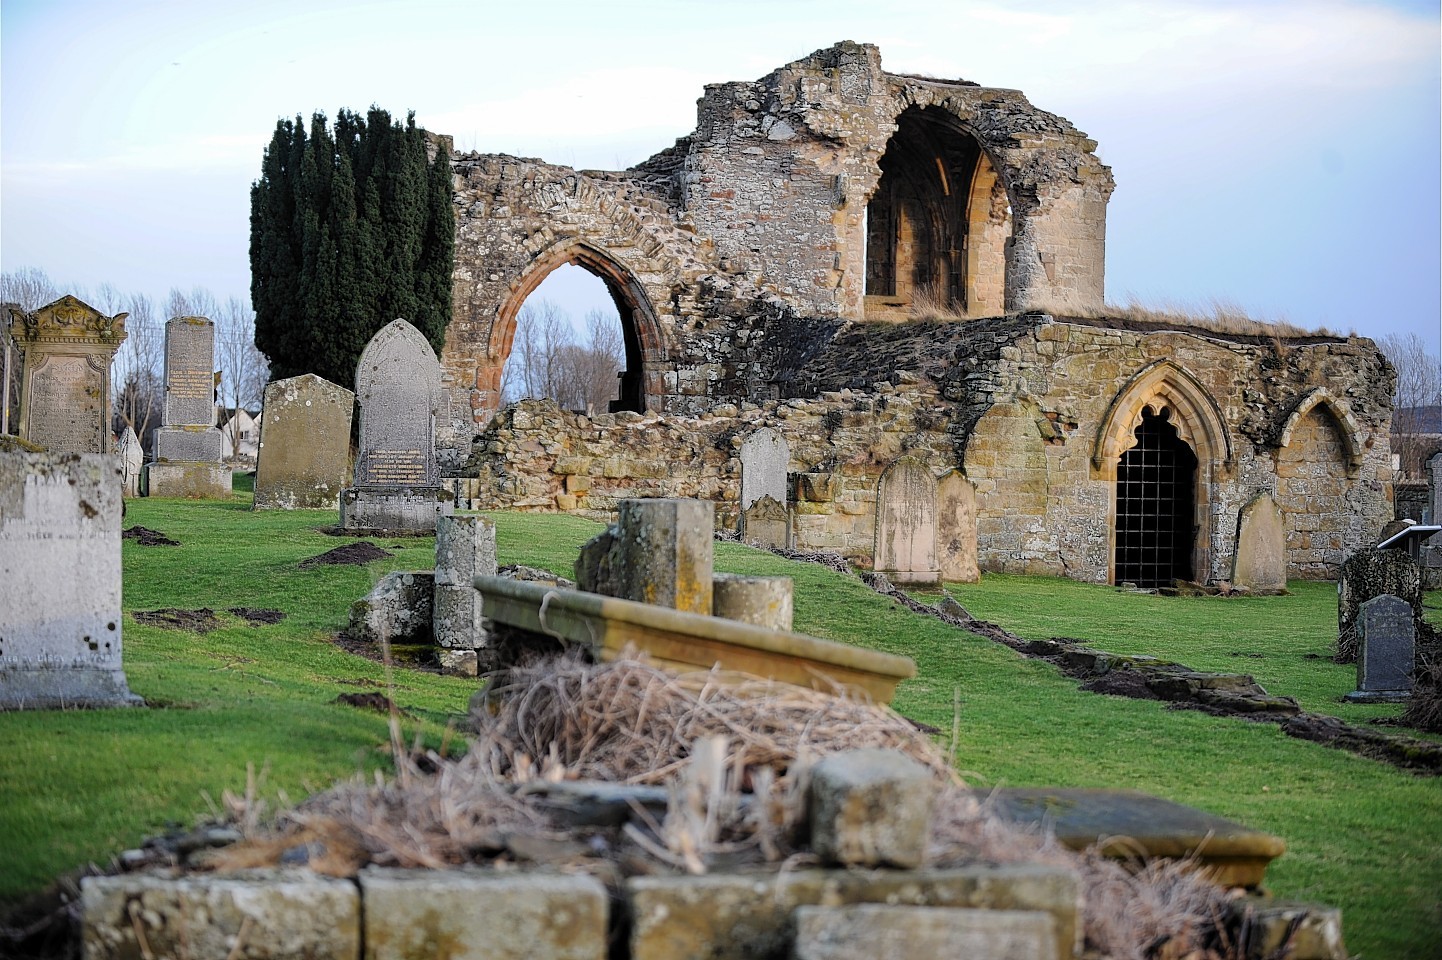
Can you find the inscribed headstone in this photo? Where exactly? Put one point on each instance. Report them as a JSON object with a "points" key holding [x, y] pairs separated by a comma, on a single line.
{"points": [[1432, 549], [188, 444], [956, 528], [132, 461], [1373, 573], [1259, 560], [767, 523], [658, 551], [1387, 637], [764, 458], [65, 385], [397, 484], [304, 444], [906, 524], [60, 569]]}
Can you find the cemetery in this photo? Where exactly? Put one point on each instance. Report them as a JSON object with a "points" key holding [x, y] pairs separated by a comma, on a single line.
{"points": [[886, 643]]}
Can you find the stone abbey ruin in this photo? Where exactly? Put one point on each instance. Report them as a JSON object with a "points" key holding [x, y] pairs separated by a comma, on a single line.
{"points": [[766, 269]]}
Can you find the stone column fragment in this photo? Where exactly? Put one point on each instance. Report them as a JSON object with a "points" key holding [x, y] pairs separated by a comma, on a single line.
{"points": [[761, 601], [658, 551], [465, 549]]}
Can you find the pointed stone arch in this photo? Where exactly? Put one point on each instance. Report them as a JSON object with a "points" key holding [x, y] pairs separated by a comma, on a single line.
{"points": [[1340, 413]]}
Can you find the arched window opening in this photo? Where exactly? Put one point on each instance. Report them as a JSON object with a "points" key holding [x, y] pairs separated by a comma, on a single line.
{"points": [[1156, 505], [934, 225], [575, 342]]}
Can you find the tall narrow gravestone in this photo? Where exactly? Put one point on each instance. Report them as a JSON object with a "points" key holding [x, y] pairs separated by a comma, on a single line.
{"points": [[956, 528], [658, 551], [65, 380], [1432, 549], [1259, 562], [764, 457], [906, 524], [397, 484], [60, 582], [187, 444], [1387, 638], [132, 462], [304, 444]]}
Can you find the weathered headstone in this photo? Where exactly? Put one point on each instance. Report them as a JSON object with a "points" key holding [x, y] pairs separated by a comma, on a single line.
{"points": [[132, 462], [956, 528], [760, 601], [1373, 573], [1432, 549], [60, 618], [764, 458], [906, 524], [465, 548], [1387, 640], [304, 444], [1259, 560], [767, 523], [188, 444], [658, 551], [397, 484], [65, 385]]}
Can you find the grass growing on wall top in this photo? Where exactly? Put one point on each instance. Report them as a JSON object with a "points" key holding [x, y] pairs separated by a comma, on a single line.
{"points": [[78, 786]]}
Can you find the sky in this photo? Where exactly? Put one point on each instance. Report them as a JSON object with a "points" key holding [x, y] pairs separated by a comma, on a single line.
{"points": [[1279, 156]]}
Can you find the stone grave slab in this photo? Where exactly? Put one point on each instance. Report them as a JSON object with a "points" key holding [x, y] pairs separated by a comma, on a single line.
{"points": [[397, 483], [60, 622], [188, 444], [304, 444], [132, 462], [1387, 638], [956, 528], [65, 385], [764, 457], [1259, 559], [906, 524], [767, 523]]}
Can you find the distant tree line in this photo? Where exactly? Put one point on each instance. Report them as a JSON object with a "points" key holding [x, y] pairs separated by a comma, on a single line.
{"points": [[549, 359], [349, 230]]}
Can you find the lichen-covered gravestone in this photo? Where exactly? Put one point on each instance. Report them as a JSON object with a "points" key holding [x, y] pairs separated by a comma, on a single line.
{"points": [[764, 458], [465, 549], [60, 582], [397, 484], [1367, 574], [658, 551], [65, 380], [304, 444], [132, 462], [906, 524], [1387, 640], [956, 528], [188, 444], [767, 522], [1259, 562]]}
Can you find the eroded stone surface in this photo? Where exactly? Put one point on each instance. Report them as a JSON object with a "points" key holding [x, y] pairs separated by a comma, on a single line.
{"points": [[871, 808], [1387, 639], [762, 601], [1374, 573], [877, 932], [465, 548], [764, 456], [65, 384], [303, 461], [906, 524], [956, 528], [657, 552], [188, 444], [397, 610], [1259, 563]]}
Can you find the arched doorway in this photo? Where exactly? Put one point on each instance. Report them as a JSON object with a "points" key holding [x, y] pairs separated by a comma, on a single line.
{"points": [[937, 221], [1156, 505]]}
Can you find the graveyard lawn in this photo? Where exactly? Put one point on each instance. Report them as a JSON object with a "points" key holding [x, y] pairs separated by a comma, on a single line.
{"points": [[80, 786]]}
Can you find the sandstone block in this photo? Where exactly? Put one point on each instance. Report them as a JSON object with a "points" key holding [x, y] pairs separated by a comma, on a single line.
{"points": [[658, 551], [877, 932], [465, 549], [871, 808], [763, 601]]}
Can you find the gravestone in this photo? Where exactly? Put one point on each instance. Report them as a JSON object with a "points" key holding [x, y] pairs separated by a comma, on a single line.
{"points": [[188, 444], [1432, 549], [764, 458], [397, 484], [465, 549], [1373, 573], [956, 528], [304, 444], [132, 462], [767, 523], [1387, 640], [60, 570], [906, 524], [658, 551], [1259, 560], [65, 384]]}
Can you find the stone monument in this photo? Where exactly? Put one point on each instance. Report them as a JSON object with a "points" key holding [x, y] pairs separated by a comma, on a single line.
{"points": [[906, 524], [658, 551], [465, 549], [60, 570], [132, 462], [1259, 560], [65, 385], [188, 443], [767, 523], [764, 458], [304, 444], [1432, 549], [1387, 639], [397, 484], [956, 528]]}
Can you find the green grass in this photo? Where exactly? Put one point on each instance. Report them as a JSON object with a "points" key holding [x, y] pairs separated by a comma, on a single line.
{"points": [[1361, 835]]}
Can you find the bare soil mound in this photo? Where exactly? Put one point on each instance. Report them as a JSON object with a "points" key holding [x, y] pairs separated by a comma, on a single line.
{"points": [[359, 553]]}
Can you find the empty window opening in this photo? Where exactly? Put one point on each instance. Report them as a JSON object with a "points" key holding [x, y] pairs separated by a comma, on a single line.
{"points": [[1156, 505], [572, 345]]}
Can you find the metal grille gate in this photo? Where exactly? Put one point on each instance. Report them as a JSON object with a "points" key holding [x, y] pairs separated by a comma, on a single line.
{"points": [[1155, 522]]}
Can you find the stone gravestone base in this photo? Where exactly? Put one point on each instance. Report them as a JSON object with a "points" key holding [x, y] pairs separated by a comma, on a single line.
{"points": [[60, 618], [193, 480], [394, 511]]}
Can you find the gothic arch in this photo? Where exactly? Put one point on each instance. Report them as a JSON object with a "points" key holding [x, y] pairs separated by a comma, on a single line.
{"points": [[1341, 414]]}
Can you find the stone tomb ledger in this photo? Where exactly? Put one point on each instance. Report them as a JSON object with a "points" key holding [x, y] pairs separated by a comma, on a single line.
{"points": [[188, 443]]}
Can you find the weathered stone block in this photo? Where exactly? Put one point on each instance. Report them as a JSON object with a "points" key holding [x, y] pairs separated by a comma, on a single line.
{"points": [[268, 915], [397, 610], [871, 808], [191, 480], [465, 549], [658, 551], [1259, 561], [763, 601], [304, 444], [187, 444], [1373, 573], [480, 915], [876, 932]]}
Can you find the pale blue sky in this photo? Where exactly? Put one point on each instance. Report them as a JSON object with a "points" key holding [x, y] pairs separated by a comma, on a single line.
{"points": [[1282, 155]]}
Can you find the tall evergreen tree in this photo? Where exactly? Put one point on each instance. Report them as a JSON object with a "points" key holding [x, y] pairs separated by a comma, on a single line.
{"points": [[348, 231]]}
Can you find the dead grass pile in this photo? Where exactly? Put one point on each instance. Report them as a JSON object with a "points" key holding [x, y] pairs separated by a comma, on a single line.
{"points": [[927, 304], [1218, 314]]}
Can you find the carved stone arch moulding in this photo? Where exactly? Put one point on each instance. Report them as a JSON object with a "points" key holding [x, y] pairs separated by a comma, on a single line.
{"points": [[1341, 414], [1196, 416]]}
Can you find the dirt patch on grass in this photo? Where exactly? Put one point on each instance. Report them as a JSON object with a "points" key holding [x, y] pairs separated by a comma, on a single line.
{"points": [[359, 554], [148, 538], [257, 616], [200, 621], [1121, 683], [378, 702]]}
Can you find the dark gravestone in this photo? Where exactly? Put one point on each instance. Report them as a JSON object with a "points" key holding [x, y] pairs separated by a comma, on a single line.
{"points": [[1387, 637], [397, 484], [1372, 573], [188, 444], [304, 444]]}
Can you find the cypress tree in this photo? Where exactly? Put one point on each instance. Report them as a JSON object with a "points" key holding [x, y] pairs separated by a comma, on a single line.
{"points": [[348, 231]]}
